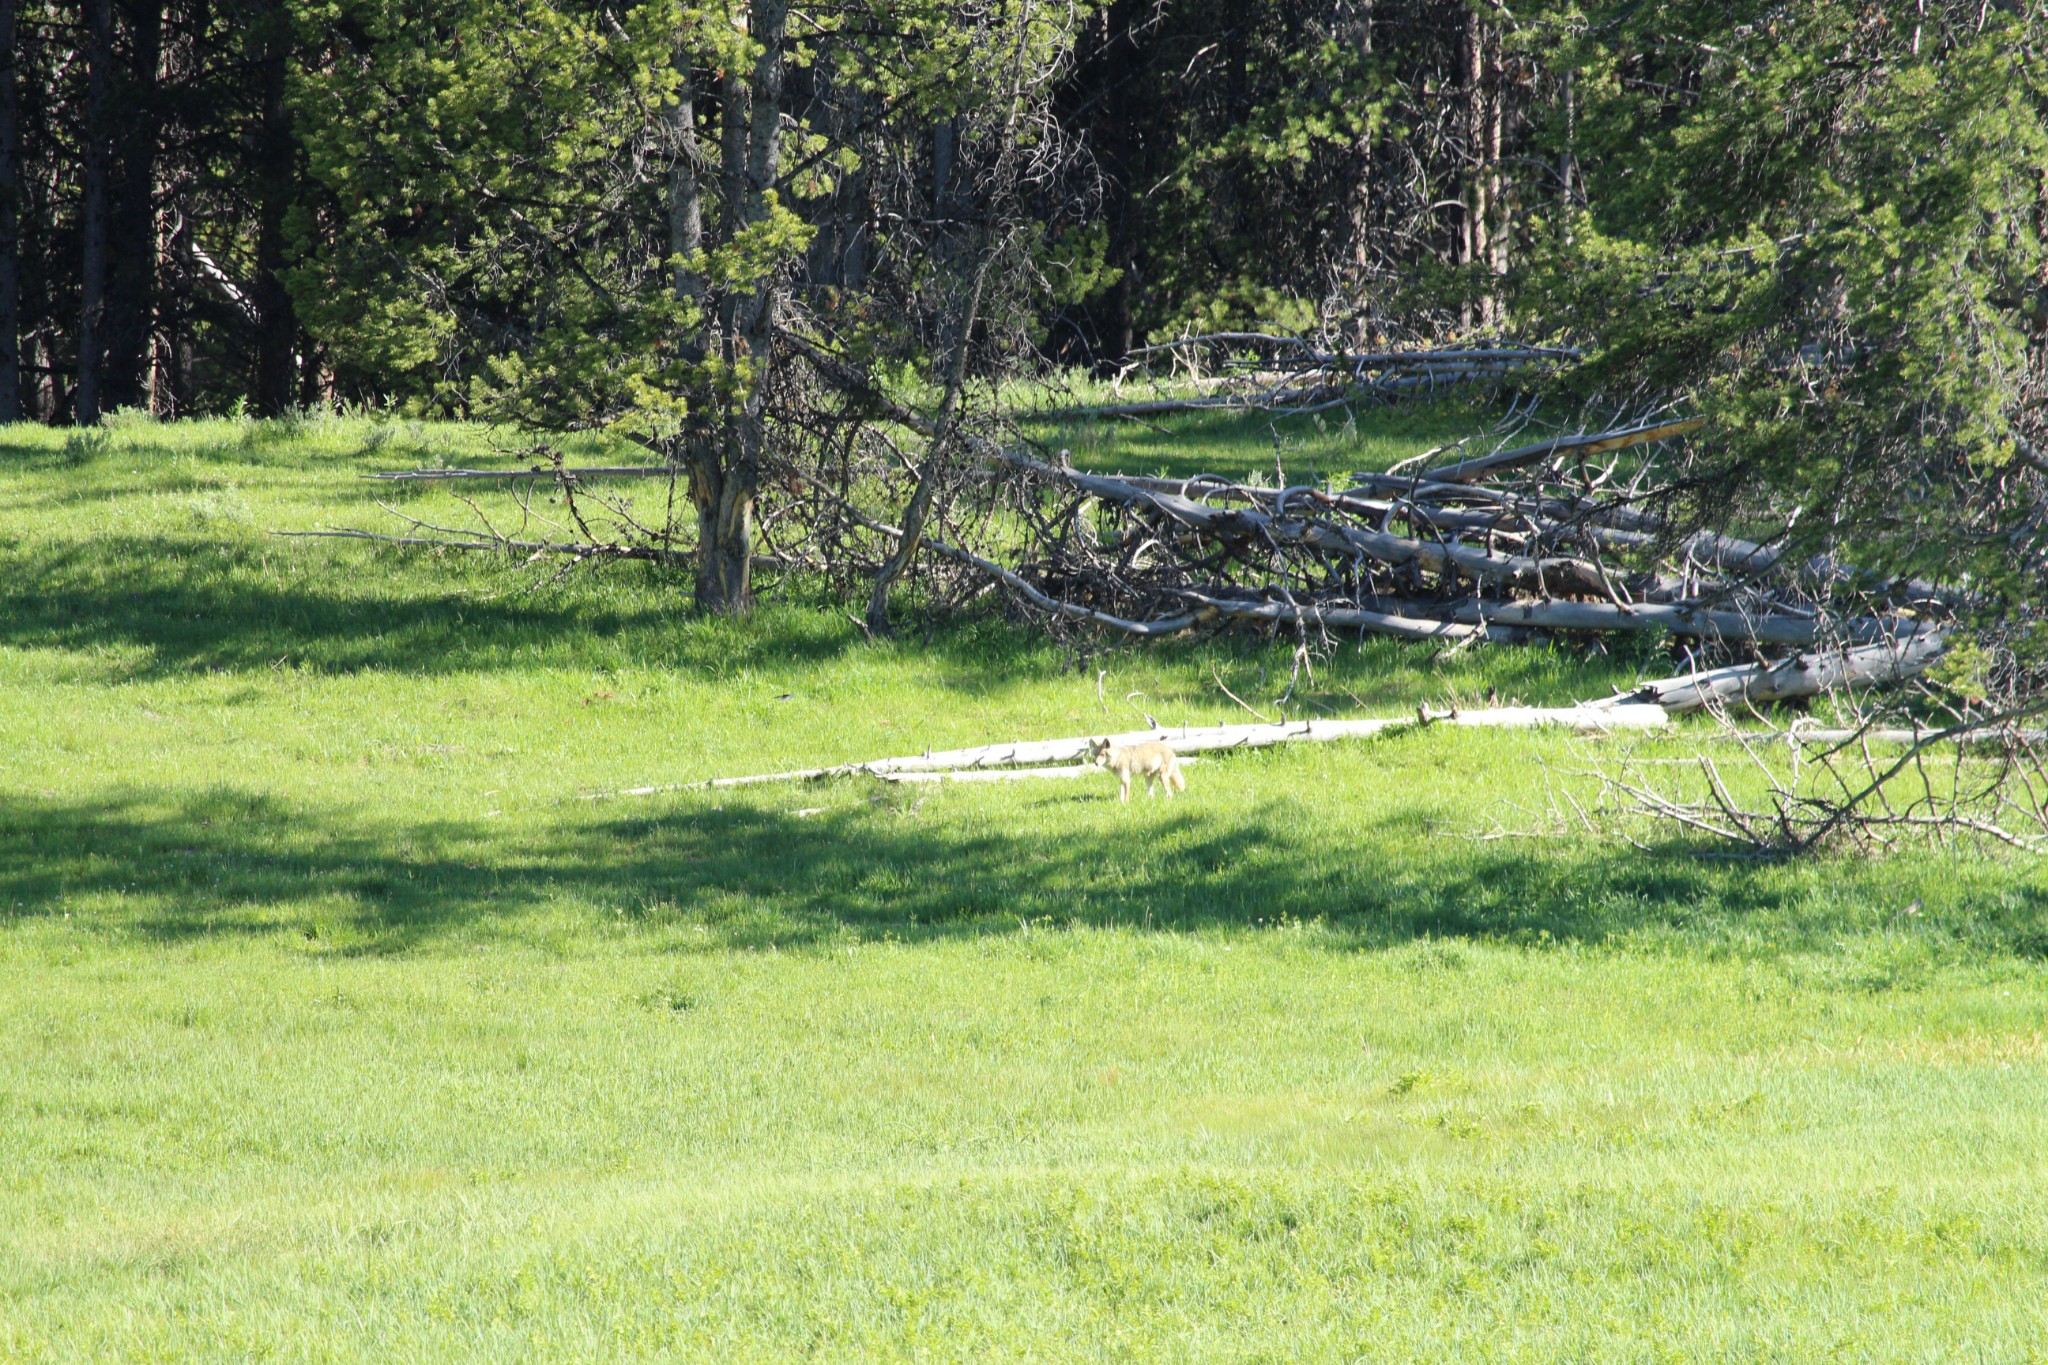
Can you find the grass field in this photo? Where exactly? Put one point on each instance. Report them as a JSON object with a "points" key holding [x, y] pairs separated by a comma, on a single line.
{"points": [[336, 1024]]}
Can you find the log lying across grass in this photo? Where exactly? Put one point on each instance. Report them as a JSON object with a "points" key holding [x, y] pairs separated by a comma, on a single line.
{"points": [[1032, 756], [1802, 675]]}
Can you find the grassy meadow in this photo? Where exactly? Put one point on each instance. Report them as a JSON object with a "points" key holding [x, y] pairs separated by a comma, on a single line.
{"points": [[338, 1022]]}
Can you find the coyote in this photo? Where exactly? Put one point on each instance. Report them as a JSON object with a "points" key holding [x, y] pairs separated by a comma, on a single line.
{"points": [[1153, 759]]}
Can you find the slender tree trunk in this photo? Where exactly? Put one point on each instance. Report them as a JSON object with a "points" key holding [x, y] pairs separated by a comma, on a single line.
{"points": [[850, 204], [724, 490], [277, 322], [916, 513], [1567, 159], [919, 508], [1496, 254], [1363, 189], [10, 215], [685, 197], [836, 260], [1472, 247], [130, 311], [99, 58], [698, 450]]}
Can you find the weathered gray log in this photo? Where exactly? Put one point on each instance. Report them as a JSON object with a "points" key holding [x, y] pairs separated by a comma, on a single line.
{"points": [[1583, 444], [574, 549], [1802, 675], [1004, 774], [1602, 719], [1400, 626], [1431, 620], [1548, 574]]}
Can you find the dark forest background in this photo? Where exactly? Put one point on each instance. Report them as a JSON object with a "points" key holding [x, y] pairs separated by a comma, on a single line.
{"points": [[253, 205]]}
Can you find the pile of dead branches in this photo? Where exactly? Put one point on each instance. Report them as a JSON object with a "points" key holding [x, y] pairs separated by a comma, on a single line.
{"points": [[1555, 536], [1766, 792], [1567, 535]]}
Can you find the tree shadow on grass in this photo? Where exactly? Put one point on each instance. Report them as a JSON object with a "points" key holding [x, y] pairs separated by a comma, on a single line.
{"points": [[217, 606], [186, 867], [161, 606]]}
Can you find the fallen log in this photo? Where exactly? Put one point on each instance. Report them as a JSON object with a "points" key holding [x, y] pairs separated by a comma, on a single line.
{"points": [[1537, 574], [1004, 774], [1603, 719], [1802, 675], [652, 554], [1402, 627], [1584, 444]]}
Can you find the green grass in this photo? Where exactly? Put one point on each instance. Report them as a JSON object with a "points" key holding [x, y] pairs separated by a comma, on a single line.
{"points": [[336, 1024], [1309, 446]]}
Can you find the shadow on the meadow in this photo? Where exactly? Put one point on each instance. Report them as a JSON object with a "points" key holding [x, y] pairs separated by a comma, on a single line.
{"points": [[211, 605], [742, 875], [170, 606]]}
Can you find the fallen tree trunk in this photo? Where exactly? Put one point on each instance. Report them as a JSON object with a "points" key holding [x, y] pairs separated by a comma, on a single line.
{"points": [[1003, 774], [1594, 443], [1552, 574], [1802, 675], [1602, 719]]}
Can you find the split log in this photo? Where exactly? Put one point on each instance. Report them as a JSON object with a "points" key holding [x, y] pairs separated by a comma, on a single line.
{"points": [[1802, 675], [1401, 627]]}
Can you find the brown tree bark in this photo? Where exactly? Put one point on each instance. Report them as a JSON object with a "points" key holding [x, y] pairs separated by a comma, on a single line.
{"points": [[725, 476]]}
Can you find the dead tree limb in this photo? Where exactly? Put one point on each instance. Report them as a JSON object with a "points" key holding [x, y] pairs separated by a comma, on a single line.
{"points": [[1802, 675], [1583, 445]]}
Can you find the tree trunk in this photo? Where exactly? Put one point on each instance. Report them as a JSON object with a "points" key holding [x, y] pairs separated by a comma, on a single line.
{"points": [[1496, 255], [685, 196], [723, 513], [99, 57], [724, 482], [277, 322], [129, 316], [1473, 249], [1358, 31], [10, 215], [920, 506]]}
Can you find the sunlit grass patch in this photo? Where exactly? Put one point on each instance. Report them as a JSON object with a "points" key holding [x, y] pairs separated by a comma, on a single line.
{"points": [[337, 1021]]}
